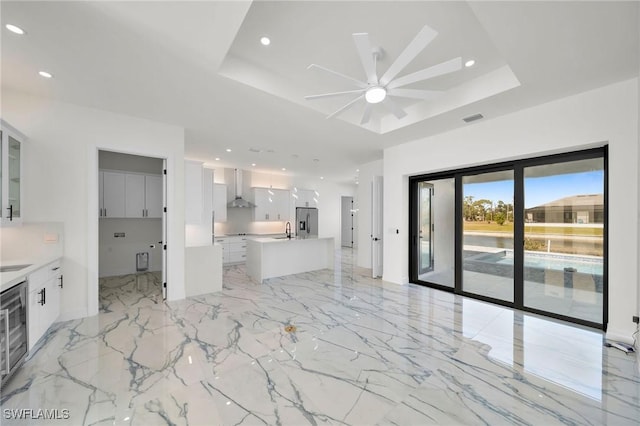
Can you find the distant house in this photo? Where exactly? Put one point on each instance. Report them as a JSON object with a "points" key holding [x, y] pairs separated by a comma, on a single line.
{"points": [[574, 209]]}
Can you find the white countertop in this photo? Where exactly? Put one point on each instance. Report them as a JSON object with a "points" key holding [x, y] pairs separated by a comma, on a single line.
{"points": [[9, 279], [287, 240]]}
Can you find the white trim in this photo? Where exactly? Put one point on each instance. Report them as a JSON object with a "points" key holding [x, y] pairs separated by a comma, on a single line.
{"points": [[618, 336]]}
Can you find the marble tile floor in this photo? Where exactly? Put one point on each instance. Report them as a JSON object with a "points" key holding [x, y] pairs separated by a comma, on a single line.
{"points": [[122, 292], [363, 352]]}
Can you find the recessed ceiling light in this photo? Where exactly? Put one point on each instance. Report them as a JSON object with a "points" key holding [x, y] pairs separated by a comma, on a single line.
{"points": [[283, 169], [228, 149], [45, 74], [265, 41], [375, 94], [253, 164], [469, 63], [217, 158], [15, 29], [321, 177], [357, 170]]}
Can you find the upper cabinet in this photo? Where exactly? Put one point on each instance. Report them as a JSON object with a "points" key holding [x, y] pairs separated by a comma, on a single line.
{"points": [[306, 198], [220, 202], [130, 195], [272, 205], [11, 189]]}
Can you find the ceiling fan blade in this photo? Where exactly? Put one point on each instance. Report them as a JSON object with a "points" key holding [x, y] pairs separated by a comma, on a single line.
{"points": [[328, 95], [415, 93], [353, 80], [425, 74], [367, 113], [395, 109], [365, 51], [417, 45], [345, 107]]}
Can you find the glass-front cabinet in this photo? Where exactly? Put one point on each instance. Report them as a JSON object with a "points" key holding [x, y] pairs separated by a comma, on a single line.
{"points": [[11, 174]]}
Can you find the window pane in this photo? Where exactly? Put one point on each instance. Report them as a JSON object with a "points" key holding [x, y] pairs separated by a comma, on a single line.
{"points": [[488, 234], [564, 238], [436, 232]]}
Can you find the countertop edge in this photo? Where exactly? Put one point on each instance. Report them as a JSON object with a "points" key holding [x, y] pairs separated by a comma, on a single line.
{"points": [[10, 279]]}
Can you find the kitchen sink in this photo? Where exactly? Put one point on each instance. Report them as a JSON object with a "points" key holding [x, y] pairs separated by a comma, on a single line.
{"points": [[13, 268]]}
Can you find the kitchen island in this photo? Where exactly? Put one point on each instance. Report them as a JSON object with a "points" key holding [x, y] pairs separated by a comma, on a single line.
{"points": [[276, 257]]}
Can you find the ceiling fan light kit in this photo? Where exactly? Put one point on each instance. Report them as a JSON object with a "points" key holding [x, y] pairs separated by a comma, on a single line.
{"points": [[380, 90]]}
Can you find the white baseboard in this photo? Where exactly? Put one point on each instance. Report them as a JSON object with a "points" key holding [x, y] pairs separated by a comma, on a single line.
{"points": [[619, 336]]}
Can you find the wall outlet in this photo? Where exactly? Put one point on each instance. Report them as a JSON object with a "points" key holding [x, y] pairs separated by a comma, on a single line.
{"points": [[636, 319], [50, 238]]}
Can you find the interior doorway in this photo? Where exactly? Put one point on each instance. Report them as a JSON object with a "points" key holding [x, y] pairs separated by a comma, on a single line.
{"points": [[346, 214], [131, 231]]}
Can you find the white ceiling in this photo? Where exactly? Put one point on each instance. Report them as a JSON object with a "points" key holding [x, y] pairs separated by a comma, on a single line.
{"points": [[199, 65]]}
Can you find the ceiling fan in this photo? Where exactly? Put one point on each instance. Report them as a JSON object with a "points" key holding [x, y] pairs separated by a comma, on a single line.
{"points": [[376, 90]]}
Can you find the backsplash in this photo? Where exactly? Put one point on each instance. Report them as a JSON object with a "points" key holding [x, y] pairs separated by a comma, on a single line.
{"points": [[241, 221], [33, 240]]}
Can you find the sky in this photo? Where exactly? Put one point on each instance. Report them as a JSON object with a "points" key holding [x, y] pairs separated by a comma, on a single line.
{"points": [[540, 190]]}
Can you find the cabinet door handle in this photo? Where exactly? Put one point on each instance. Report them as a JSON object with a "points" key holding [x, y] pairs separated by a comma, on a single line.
{"points": [[105, 212], [10, 208], [55, 269], [7, 349], [41, 292], [61, 285]]}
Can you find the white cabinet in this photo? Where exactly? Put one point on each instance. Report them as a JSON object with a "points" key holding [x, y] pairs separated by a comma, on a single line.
{"points": [[220, 202], [234, 249], [153, 197], [134, 195], [11, 166], [130, 195], [45, 288], [271, 205], [143, 196], [306, 198], [112, 194]]}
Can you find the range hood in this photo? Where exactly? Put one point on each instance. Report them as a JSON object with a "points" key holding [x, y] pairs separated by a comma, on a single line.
{"points": [[239, 202]]}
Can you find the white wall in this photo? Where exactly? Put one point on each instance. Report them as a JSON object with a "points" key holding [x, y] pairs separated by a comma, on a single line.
{"points": [[32, 241], [606, 115], [129, 163], [362, 201], [117, 256], [61, 183]]}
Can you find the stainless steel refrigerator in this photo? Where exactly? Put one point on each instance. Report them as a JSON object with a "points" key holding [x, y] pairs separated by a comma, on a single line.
{"points": [[307, 222]]}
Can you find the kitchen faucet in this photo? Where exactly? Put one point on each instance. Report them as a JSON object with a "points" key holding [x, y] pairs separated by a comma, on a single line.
{"points": [[287, 230]]}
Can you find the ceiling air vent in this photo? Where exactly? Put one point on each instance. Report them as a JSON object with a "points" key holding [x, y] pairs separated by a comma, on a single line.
{"points": [[473, 117]]}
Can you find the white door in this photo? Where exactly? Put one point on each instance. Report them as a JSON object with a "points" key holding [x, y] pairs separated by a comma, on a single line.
{"points": [[347, 222], [134, 196], [376, 226], [113, 194], [164, 230], [153, 196]]}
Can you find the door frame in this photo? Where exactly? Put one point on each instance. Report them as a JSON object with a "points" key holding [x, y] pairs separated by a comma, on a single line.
{"points": [[518, 167], [93, 220]]}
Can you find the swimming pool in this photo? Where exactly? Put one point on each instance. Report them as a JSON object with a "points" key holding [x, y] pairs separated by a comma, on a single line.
{"points": [[585, 264]]}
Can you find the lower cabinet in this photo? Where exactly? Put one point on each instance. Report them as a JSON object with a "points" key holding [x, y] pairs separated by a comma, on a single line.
{"points": [[45, 288], [234, 249]]}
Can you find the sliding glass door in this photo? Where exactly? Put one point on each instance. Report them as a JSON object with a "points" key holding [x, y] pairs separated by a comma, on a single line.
{"points": [[564, 238], [487, 235], [433, 232], [530, 234]]}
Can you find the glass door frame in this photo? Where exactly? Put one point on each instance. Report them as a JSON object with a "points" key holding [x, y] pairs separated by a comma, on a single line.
{"points": [[518, 167]]}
